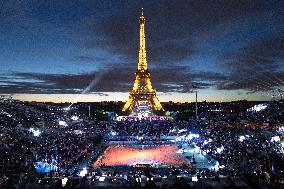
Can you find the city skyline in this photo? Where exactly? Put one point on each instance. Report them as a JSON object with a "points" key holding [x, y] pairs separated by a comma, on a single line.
{"points": [[71, 51]]}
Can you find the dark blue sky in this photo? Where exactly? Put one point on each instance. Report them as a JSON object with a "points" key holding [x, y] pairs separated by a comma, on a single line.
{"points": [[230, 49]]}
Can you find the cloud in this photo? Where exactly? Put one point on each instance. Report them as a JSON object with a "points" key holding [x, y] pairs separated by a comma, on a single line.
{"points": [[258, 67], [176, 31], [172, 27], [84, 59], [108, 80]]}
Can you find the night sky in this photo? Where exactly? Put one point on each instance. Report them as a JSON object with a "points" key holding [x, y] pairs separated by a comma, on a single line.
{"points": [[227, 50]]}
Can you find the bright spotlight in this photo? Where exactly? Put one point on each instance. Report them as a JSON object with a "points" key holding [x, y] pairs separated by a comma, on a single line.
{"points": [[83, 172], [194, 179], [219, 150], [178, 139], [74, 118], [36, 133], [281, 129], [242, 138], [191, 136], [64, 181], [207, 141], [217, 166], [275, 139], [182, 130], [62, 123], [113, 133], [66, 109], [102, 179], [257, 108]]}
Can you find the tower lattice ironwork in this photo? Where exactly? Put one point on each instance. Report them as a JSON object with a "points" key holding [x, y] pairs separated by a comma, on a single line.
{"points": [[142, 91]]}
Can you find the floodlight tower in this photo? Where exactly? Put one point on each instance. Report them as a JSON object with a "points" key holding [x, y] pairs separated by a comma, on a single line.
{"points": [[196, 105], [196, 97], [89, 108]]}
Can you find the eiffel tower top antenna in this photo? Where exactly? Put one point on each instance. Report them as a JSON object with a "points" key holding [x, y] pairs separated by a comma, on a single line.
{"points": [[142, 60]]}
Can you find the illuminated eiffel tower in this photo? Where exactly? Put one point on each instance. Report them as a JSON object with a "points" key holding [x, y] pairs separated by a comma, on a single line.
{"points": [[142, 96]]}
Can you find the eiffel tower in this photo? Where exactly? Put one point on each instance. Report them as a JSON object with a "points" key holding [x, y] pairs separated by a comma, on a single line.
{"points": [[142, 96]]}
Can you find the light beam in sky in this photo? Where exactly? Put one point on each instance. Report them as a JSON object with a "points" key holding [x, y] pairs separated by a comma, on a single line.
{"points": [[86, 90]]}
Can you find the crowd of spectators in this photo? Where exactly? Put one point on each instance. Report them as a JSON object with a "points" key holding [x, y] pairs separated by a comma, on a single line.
{"points": [[242, 143], [28, 147], [146, 128]]}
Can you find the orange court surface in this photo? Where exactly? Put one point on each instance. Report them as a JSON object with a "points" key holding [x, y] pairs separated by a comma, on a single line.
{"points": [[119, 155]]}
